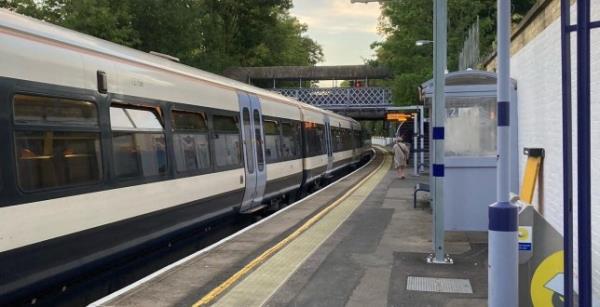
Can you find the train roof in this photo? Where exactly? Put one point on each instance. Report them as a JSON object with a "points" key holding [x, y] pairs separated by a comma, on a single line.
{"points": [[27, 25], [32, 26]]}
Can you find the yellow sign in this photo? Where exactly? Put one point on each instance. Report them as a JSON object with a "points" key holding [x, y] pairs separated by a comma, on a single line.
{"points": [[547, 284], [397, 116]]}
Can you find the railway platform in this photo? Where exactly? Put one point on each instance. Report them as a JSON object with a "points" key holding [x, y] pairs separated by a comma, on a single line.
{"points": [[358, 242]]}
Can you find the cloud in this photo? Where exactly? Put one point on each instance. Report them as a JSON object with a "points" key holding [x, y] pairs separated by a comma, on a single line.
{"points": [[336, 16], [346, 8], [345, 30]]}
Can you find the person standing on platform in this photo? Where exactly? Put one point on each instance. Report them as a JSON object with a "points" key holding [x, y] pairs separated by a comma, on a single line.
{"points": [[401, 154]]}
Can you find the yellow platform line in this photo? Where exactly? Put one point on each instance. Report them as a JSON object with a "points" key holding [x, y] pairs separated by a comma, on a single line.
{"points": [[266, 255]]}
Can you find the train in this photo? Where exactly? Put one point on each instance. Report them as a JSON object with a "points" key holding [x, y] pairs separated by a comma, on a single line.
{"points": [[107, 149]]}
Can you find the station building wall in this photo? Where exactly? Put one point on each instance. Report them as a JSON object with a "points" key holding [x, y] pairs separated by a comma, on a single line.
{"points": [[536, 65]]}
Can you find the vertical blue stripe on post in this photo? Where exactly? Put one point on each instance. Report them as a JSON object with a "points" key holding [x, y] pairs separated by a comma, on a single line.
{"points": [[438, 133], [438, 170], [503, 113]]}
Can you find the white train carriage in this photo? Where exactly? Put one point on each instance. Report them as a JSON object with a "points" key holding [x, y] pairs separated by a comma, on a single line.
{"points": [[108, 149]]}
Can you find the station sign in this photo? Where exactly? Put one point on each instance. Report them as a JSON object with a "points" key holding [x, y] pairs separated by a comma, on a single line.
{"points": [[397, 116]]}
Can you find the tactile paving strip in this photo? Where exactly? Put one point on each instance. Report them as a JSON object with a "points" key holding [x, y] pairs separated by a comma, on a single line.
{"points": [[445, 285]]}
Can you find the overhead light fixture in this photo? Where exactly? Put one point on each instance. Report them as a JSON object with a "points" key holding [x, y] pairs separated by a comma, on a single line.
{"points": [[423, 42]]}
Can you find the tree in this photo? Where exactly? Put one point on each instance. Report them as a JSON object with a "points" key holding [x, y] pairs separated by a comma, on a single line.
{"points": [[403, 22], [243, 33], [208, 34], [107, 19]]}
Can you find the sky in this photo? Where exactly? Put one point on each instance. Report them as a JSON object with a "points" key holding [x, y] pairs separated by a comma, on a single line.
{"points": [[344, 30]]}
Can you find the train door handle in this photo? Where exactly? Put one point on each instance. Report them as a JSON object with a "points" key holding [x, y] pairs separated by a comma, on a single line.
{"points": [[241, 179]]}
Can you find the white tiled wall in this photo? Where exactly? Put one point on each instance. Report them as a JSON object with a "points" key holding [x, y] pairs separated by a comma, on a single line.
{"points": [[537, 69]]}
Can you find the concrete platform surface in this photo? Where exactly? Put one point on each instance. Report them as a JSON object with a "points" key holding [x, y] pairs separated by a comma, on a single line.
{"points": [[184, 283], [362, 243], [368, 260]]}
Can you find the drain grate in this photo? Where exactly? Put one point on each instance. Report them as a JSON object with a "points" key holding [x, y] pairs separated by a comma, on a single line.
{"points": [[445, 285]]}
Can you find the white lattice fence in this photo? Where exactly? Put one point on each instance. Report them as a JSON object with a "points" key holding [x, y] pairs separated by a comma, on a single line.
{"points": [[340, 97]]}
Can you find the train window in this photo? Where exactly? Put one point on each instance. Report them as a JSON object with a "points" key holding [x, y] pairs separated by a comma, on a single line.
{"points": [[290, 133], [260, 159], [320, 148], [138, 142], [336, 135], [248, 140], [191, 152], [357, 139], [309, 136], [227, 141], [54, 111], [190, 138], [271, 127], [49, 159], [122, 118], [190, 121], [315, 139], [345, 138], [272, 143], [226, 123]]}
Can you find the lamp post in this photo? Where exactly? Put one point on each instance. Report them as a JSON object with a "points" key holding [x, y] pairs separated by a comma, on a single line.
{"points": [[439, 115], [440, 24], [503, 215]]}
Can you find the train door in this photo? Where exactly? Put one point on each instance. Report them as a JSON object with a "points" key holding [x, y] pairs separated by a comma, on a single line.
{"points": [[328, 144], [254, 152]]}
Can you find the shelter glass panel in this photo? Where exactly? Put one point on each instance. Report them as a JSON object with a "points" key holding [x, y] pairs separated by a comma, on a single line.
{"points": [[470, 126]]}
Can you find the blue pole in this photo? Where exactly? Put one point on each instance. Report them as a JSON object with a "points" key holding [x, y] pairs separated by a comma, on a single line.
{"points": [[503, 215], [567, 130], [584, 195]]}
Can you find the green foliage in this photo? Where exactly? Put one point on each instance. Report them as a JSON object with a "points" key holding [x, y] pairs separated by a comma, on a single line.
{"points": [[208, 34], [404, 22]]}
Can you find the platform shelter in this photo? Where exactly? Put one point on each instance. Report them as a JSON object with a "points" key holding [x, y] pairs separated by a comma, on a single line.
{"points": [[470, 147]]}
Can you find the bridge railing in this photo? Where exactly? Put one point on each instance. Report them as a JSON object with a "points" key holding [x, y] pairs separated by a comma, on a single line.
{"points": [[339, 97]]}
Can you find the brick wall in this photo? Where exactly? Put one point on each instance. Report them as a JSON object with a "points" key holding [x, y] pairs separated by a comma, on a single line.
{"points": [[536, 65]]}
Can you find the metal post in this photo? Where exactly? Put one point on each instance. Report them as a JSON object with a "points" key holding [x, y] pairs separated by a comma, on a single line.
{"points": [[565, 8], [503, 255], [439, 116], [422, 135], [584, 196], [415, 145]]}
